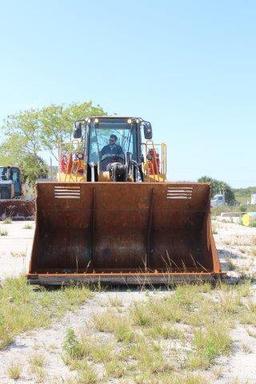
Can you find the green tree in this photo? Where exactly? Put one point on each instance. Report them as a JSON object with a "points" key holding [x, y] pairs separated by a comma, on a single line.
{"points": [[218, 186], [32, 168], [29, 133], [14, 151], [55, 122]]}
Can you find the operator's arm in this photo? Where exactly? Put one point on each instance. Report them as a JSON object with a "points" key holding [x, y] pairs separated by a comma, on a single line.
{"points": [[103, 151], [120, 152]]}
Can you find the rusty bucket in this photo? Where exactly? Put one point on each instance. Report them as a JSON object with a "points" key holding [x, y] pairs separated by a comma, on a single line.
{"points": [[123, 233]]}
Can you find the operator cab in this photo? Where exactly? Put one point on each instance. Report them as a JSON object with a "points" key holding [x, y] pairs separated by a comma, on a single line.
{"points": [[113, 142], [112, 148]]}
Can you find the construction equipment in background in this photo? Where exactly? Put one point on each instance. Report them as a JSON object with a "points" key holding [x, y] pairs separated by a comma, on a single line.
{"points": [[12, 203], [218, 200], [112, 216]]}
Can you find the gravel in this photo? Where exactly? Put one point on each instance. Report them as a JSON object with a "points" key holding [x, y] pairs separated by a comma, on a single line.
{"points": [[234, 244]]}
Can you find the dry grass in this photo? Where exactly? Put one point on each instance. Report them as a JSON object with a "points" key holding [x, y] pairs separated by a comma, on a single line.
{"points": [[102, 353], [22, 308], [246, 348], [37, 360], [115, 302], [154, 340], [149, 357], [14, 371], [27, 226], [114, 323], [240, 241], [115, 369], [3, 232], [143, 315], [248, 313], [37, 364], [19, 254], [104, 322], [86, 376], [230, 265], [209, 343], [85, 347], [168, 378], [193, 379], [165, 331], [79, 352], [7, 220]]}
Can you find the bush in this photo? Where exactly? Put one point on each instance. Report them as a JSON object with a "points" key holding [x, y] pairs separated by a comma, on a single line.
{"points": [[218, 186], [242, 208]]}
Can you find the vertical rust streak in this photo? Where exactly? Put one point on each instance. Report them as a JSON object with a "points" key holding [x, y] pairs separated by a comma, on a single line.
{"points": [[149, 228], [33, 263], [92, 224]]}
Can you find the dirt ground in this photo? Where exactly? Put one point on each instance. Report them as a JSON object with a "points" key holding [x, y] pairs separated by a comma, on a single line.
{"points": [[236, 246], [15, 248]]}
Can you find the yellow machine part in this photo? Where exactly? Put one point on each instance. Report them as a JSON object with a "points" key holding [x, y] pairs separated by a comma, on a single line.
{"points": [[70, 178], [249, 219]]}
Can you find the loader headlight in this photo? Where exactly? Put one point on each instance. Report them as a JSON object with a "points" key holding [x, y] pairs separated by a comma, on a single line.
{"points": [[129, 121]]}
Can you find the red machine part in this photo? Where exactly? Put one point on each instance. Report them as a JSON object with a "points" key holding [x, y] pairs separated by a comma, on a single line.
{"points": [[153, 162], [68, 164], [63, 163]]}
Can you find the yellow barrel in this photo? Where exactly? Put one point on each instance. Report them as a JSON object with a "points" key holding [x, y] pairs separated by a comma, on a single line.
{"points": [[249, 219]]}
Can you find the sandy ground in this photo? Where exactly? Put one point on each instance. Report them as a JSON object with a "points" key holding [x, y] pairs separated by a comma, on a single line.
{"points": [[15, 248], [235, 246], [48, 342]]}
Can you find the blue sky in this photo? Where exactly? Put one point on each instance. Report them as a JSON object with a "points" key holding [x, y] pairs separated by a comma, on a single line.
{"points": [[187, 66]]}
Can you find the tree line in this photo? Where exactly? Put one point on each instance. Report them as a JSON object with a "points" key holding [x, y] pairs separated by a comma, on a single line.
{"points": [[31, 132], [218, 186]]}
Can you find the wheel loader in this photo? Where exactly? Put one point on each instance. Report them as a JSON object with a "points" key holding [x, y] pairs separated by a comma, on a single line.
{"points": [[112, 216], [12, 202]]}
